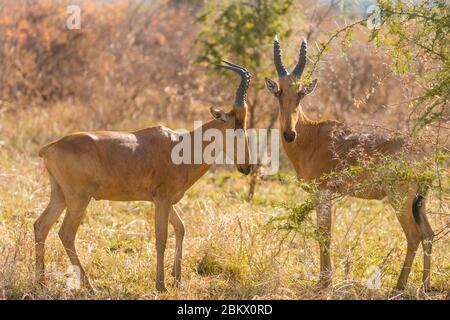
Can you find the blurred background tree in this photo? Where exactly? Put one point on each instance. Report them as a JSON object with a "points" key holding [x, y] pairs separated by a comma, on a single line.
{"points": [[242, 32]]}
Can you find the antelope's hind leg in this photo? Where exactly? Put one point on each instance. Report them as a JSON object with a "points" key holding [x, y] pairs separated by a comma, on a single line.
{"points": [[427, 235], [415, 225], [76, 208], [43, 224]]}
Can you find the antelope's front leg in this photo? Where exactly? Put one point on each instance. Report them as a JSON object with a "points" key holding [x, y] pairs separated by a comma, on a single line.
{"points": [[323, 212], [162, 211], [178, 226]]}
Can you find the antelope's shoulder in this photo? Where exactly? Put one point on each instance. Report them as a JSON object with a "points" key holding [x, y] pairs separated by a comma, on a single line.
{"points": [[160, 132], [332, 125], [329, 128]]}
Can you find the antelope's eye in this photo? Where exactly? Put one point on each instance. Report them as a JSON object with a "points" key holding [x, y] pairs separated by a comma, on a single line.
{"points": [[278, 94]]}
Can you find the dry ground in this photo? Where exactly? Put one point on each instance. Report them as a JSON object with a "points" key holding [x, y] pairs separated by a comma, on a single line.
{"points": [[229, 251]]}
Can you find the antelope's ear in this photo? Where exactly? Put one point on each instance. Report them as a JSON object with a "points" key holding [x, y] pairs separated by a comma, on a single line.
{"points": [[272, 86], [309, 88], [218, 115]]}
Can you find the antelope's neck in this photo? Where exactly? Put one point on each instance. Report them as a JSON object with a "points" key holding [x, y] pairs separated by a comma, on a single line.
{"points": [[198, 145], [299, 150], [303, 119]]}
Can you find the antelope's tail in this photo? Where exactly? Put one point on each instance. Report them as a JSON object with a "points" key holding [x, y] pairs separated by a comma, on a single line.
{"points": [[417, 204], [45, 148]]}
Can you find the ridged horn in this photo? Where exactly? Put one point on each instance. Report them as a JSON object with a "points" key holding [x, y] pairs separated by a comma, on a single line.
{"points": [[298, 70], [241, 92], [281, 70]]}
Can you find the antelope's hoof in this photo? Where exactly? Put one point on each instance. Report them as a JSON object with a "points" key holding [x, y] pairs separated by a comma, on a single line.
{"points": [[41, 281], [400, 287], [177, 282], [91, 290], [87, 286], [40, 284], [426, 287], [161, 287], [324, 283]]}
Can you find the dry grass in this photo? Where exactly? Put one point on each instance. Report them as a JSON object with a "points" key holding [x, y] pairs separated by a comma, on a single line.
{"points": [[229, 252]]}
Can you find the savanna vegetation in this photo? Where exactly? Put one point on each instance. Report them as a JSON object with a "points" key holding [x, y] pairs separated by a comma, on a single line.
{"points": [[136, 64]]}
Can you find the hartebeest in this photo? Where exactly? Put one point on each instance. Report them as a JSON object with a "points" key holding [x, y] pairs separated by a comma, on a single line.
{"points": [[315, 149], [130, 166]]}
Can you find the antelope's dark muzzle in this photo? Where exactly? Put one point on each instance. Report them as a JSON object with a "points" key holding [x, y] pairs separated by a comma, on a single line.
{"points": [[289, 136], [245, 170]]}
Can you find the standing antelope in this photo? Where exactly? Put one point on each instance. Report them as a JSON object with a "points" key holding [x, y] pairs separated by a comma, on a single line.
{"points": [[311, 147], [129, 166]]}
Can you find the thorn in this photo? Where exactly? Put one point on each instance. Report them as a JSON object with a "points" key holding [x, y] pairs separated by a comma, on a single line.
{"points": [[317, 46]]}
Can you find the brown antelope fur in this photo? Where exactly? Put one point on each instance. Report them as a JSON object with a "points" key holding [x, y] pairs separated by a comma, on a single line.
{"points": [[127, 166], [312, 147]]}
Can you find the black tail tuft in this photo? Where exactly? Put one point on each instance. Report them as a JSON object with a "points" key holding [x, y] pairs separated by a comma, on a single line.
{"points": [[417, 204]]}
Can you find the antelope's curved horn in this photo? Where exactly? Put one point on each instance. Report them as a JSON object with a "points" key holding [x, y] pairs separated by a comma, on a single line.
{"points": [[281, 70], [241, 92], [298, 71]]}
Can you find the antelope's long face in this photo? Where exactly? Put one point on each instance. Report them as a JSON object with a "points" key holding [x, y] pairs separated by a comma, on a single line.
{"points": [[289, 91], [235, 121], [241, 147]]}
